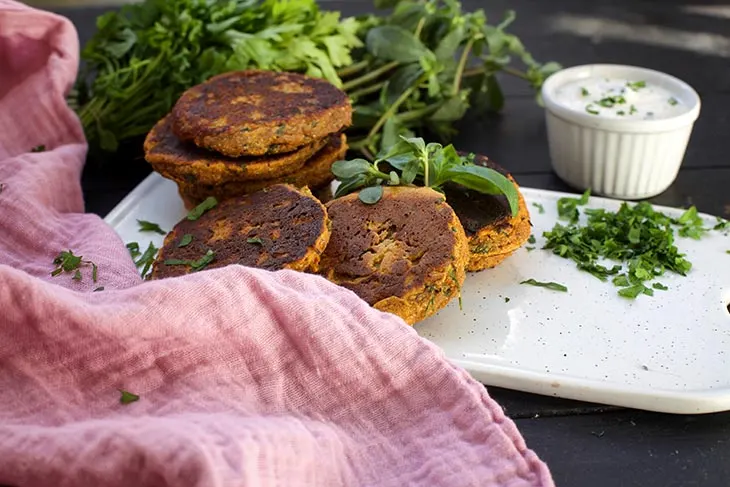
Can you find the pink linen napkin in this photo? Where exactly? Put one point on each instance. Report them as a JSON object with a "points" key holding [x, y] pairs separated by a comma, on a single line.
{"points": [[245, 378]]}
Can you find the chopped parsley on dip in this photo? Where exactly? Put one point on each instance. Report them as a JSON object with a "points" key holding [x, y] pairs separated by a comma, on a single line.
{"points": [[619, 98]]}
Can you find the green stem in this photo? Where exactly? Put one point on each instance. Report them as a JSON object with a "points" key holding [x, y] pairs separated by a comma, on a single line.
{"points": [[408, 116], [514, 72], [419, 27], [472, 72], [369, 77], [394, 107], [352, 69], [366, 91], [426, 181], [367, 152], [460, 68]]}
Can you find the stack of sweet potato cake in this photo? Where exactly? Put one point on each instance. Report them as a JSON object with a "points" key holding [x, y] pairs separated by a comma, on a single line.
{"points": [[240, 132], [247, 149]]}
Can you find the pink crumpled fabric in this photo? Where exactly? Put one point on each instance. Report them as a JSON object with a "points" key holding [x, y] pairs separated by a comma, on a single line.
{"points": [[246, 378]]}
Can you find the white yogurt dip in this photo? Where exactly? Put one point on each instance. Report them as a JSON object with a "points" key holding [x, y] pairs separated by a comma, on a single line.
{"points": [[620, 98]]}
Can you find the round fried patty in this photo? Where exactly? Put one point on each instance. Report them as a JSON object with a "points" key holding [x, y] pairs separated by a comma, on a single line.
{"points": [[494, 234], [183, 161], [406, 254], [315, 174], [280, 227], [260, 112]]}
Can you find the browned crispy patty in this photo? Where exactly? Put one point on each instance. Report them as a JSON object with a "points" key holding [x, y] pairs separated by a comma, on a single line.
{"points": [[315, 174], [280, 227], [255, 113], [406, 254], [183, 161], [494, 234]]}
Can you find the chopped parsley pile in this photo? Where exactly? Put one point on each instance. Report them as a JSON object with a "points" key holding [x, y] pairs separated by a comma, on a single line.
{"points": [[639, 241]]}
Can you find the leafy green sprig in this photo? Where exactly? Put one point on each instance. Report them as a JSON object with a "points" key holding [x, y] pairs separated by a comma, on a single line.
{"points": [[430, 165], [425, 65], [419, 68]]}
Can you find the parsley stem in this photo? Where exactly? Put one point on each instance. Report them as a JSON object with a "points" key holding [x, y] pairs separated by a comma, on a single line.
{"points": [[394, 107], [473, 72], [367, 153], [370, 76], [418, 113], [515, 72], [352, 69], [426, 179], [366, 91], [419, 28], [460, 68]]}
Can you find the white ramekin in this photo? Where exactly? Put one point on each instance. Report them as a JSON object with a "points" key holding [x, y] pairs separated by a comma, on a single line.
{"points": [[626, 159]]}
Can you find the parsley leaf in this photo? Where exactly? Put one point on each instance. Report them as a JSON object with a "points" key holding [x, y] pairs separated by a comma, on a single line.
{"points": [[539, 207], [568, 207], [39, 148], [255, 240], [554, 286], [208, 204], [147, 259], [66, 261], [691, 224], [634, 291], [127, 397], [531, 240], [636, 85], [610, 101], [145, 226], [722, 225], [186, 240], [133, 248], [196, 265]]}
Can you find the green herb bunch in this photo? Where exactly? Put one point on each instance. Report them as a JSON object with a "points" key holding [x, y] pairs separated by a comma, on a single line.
{"points": [[421, 67], [425, 65], [415, 162], [144, 56]]}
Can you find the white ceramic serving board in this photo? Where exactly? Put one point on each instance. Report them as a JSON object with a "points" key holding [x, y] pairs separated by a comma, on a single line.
{"points": [[668, 353]]}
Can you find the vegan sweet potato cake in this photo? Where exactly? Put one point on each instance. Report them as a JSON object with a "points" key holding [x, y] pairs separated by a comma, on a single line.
{"points": [[255, 113], [405, 254], [280, 227], [493, 233], [185, 162]]}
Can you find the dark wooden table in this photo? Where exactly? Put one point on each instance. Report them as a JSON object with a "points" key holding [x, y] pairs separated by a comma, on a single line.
{"points": [[584, 444]]}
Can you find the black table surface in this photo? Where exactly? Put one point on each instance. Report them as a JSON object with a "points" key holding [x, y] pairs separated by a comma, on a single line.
{"points": [[584, 444]]}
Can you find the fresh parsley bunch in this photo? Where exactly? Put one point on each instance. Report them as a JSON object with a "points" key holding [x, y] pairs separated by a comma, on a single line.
{"points": [[144, 56], [419, 68], [414, 161], [425, 65]]}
